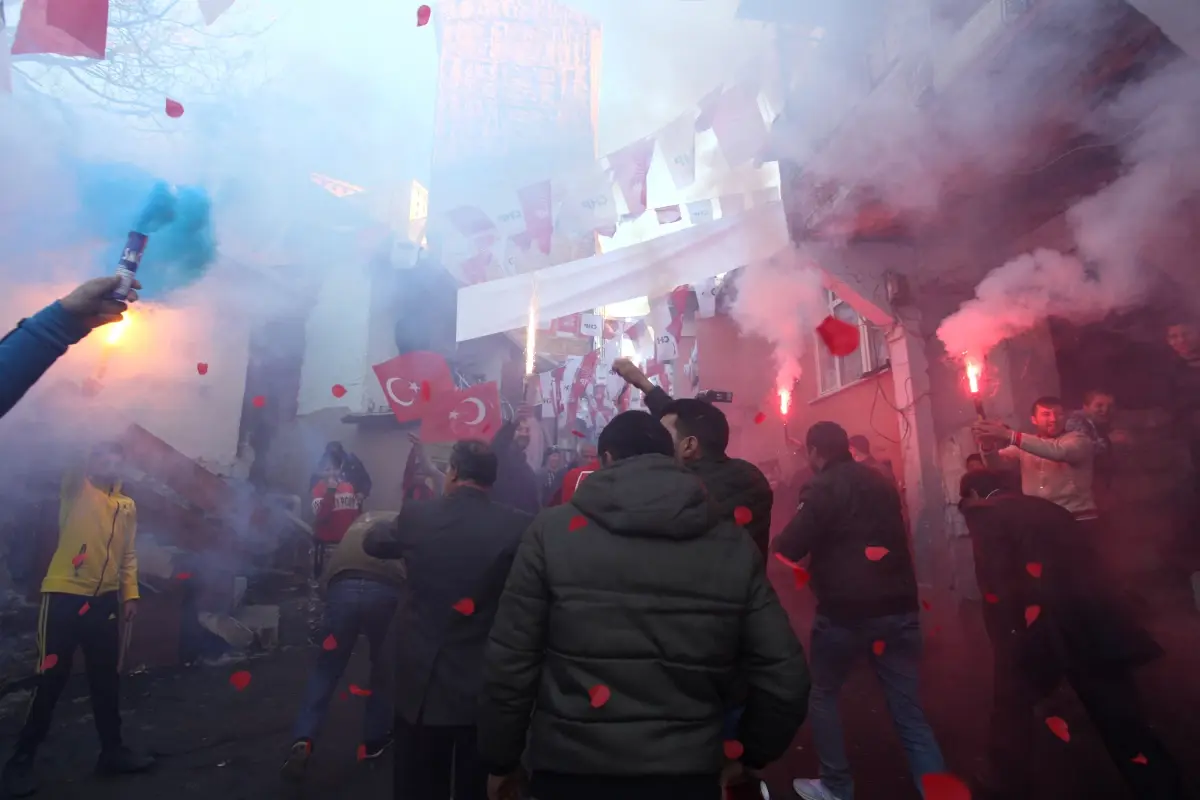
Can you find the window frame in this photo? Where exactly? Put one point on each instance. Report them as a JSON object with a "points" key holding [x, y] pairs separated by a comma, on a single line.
{"points": [[871, 361]]}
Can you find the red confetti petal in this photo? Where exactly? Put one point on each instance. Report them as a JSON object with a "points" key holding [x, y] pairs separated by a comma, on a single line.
{"points": [[599, 694], [174, 109], [925, 605], [1034, 569], [876, 553], [742, 516], [943, 786], [183, 576], [49, 661], [1140, 759], [760, 418], [1058, 726], [426, 391], [259, 401], [878, 646], [83, 609], [991, 598], [338, 390], [1031, 615], [840, 337], [578, 521], [358, 691], [362, 752], [577, 433], [466, 606], [422, 16], [202, 368], [77, 560], [240, 679], [800, 572], [733, 749], [330, 643]]}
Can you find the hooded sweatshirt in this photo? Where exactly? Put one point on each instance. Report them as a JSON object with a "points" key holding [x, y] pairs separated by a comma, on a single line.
{"points": [[96, 529], [633, 618]]}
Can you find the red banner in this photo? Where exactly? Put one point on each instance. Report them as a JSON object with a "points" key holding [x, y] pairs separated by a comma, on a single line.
{"points": [[63, 27]]}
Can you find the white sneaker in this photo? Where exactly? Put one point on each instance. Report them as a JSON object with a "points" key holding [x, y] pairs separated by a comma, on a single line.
{"points": [[812, 790]]}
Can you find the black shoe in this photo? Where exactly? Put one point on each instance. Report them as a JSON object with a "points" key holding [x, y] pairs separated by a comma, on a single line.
{"points": [[18, 778], [375, 749], [123, 761], [297, 760]]}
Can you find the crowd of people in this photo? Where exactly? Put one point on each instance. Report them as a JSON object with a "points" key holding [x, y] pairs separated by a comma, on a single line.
{"points": [[607, 629]]}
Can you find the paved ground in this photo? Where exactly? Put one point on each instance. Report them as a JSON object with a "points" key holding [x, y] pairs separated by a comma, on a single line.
{"points": [[220, 744]]}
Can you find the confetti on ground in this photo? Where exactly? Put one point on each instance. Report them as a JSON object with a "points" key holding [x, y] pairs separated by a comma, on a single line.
{"points": [[742, 516], [330, 643], [943, 786], [466, 606], [599, 694], [202, 368], [174, 109], [1140, 759], [1031, 614], [1058, 726], [578, 521], [83, 609], [760, 418], [362, 752], [878, 647], [49, 661], [259, 401], [358, 691], [240, 679], [876, 553], [423, 16], [991, 598], [733, 749], [1034, 569], [426, 391], [338, 390]]}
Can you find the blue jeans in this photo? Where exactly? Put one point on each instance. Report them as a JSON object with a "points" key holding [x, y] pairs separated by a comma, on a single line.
{"points": [[353, 606], [834, 652]]}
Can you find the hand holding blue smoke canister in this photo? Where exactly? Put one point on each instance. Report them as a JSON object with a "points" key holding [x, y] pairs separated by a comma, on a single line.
{"points": [[37, 342]]}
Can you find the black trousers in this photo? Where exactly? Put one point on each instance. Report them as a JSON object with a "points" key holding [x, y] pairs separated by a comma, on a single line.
{"points": [[432, 761], [65, 622], [1111, 702], [559, 786]]}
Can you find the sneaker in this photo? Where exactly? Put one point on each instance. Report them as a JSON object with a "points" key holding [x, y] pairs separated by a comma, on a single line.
{"points": [[812, 790], [297, 760], [123, 761], [18, 778], [376, 748]]}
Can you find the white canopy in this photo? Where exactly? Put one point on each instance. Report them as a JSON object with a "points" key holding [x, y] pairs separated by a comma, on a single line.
{"points": [[652, 269]]}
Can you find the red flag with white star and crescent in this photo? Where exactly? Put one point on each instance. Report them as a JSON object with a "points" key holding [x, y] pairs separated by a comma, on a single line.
{"points": [[412, 382], [472, 413]]}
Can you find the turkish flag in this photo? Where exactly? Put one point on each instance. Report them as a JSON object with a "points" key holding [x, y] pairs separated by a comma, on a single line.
{"points": [[63, 27], [413, 382], [473, 413]]}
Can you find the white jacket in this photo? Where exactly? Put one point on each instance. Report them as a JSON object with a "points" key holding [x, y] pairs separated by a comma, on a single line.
{"points": [[1058, 469]]}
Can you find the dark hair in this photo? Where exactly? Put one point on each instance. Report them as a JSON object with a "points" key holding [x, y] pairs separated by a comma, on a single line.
{"points": [[701, 419], [549, 452], [634, 433], [1092, 394], [473, 460], [1045, 401], [985, 481], [860, 443], [974, 458], [829, 440]]}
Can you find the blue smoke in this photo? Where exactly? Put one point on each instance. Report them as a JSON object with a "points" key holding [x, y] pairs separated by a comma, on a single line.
{"points": [[117, 198]]}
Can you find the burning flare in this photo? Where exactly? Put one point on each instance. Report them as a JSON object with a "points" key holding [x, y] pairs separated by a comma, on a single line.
{"points": [[117, 329], [785, 402], [531, 332], [974, 370]]}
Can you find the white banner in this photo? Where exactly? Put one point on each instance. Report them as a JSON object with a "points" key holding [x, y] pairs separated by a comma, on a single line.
{"points": [[706, 298], [677, 142], [591, 325]]}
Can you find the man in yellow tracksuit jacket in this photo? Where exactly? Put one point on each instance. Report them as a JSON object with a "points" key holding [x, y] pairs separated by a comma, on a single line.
{"points": [[91, 582]]}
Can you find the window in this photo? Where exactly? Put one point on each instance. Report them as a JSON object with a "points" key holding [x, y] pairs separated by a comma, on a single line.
{"points": [[836, 372]]}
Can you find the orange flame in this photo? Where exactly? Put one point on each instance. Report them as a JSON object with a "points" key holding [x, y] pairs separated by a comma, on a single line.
{"points": [[785, 401], [117, 330], [974, 371]]}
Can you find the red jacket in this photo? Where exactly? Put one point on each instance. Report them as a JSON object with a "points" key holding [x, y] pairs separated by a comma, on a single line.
{"points": [[334, 510], [575, 477]]}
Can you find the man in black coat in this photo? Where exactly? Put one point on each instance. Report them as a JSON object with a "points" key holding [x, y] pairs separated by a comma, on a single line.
{"points": [[700, 431], [457, 552], [517, 484], [850, 523], [633, 619], [1050, 616]]}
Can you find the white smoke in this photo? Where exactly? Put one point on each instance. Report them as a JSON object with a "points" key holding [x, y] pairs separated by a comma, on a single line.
{"points": [[782, 300], [1123, 233]]}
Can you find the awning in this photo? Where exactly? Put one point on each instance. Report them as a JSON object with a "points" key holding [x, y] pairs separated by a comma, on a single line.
{"points": [[651, 269]]}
